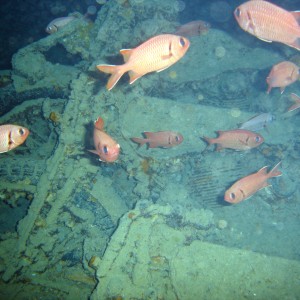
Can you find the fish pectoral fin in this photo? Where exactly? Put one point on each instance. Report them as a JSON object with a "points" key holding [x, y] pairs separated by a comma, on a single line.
{"points": [[93, 151], [134, 76]]}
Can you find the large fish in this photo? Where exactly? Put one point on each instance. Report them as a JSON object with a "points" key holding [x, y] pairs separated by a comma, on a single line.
{"points": [[106, 147], [156, 54], [282, 75], [257, 122], [193, 28], [249, 185], [237, 139], [58, 23], [12, 136], [162, 139], [269, 22]]}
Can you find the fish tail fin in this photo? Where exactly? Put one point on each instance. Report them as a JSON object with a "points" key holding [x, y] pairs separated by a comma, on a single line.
{"points": [[139, 141], [99, 123], [209, 141], [115, 71], [275, 172]]}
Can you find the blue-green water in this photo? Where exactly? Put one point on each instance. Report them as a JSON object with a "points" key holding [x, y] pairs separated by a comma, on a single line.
{"points": [[153, 224]]}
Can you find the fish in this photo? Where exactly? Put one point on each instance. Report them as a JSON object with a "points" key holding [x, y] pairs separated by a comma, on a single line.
{"points": [[12, 136], [296, 99], [193, 28], [156, 54], [160, 139], [57, 23], [257, 122], [249, 185], [269, 22], [238, 139], [106, 147], [282, 75]]}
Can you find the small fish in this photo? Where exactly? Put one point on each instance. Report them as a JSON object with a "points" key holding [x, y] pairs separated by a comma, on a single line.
{"points": [[107, 148], [237, 139], [282, 75], [249, 185], [162, 139], [193, 28], [56, 24], [269, 22], [296, 99], [257, 122], [12, 136], [156, 54]]}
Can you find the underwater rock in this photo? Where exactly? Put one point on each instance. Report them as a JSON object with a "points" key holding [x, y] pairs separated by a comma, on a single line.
{"points": [[146, 245]]}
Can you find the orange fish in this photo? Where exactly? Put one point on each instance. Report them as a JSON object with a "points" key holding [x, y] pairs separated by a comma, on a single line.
{"points": [[193, 28], [249, 185], [107, 148], [12, 136], [163, 139], [296, 99], [282, 75], [156, 54], [269, 22], [238, 139]]}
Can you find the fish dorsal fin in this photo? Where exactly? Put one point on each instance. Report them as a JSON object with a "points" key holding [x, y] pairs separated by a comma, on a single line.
{"points": [[99, 123], [296, 15], [126, 54]]}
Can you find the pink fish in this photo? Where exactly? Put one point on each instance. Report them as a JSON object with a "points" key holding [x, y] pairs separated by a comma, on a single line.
{"points": [[193, 28], [237, 139], [249, 185], [156, 54], [162, 139], [282, 75], [12, 136], [107, 148], [296, 99]]}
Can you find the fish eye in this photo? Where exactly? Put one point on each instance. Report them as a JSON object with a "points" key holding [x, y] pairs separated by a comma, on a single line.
{"points": [[257, 139], [105, 149], [232, 196], [237, 12], [177, 138], [182, 42], [21, 131]]}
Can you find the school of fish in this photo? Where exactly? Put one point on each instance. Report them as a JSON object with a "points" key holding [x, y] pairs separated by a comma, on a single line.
{"points": [[261, 19]]}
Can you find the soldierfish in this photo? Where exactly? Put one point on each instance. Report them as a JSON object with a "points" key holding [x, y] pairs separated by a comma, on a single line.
{"points": [[257, 122], [282, 75], [269, 22], [193, 28], [156, 54], [296, 99], [57, 23], [237, 139], [249, 185], [106, 147], [12, 136], [163, 139]]}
